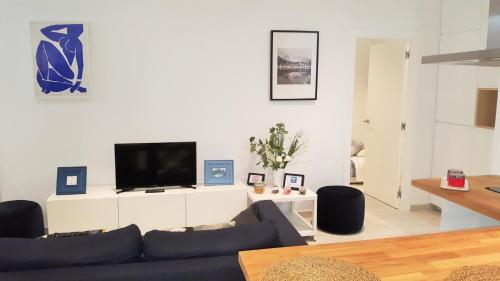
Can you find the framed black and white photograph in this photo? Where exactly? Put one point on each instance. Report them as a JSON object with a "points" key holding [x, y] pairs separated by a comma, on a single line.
{"points": [[255, 177], [71, 180], [219, 172], [294, 64], [293, 180]]}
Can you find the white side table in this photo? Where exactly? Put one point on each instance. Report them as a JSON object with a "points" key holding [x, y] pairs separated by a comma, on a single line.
{"points": [[302, 225]]}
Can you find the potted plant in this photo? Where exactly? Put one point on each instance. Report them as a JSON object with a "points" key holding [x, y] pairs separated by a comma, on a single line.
{"points": [[276, 151]]}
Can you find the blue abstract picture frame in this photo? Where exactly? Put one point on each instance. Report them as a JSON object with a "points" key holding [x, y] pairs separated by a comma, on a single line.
{"points": [[71, 180], [219, 172], [61, 61]]}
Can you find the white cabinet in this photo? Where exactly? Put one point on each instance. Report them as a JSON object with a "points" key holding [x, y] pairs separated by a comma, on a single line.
{"points": [[456, 98], [460, 42], [215, 204], [102, 208], [462, 147], [152, 210], [98, 209], [461, 15]]}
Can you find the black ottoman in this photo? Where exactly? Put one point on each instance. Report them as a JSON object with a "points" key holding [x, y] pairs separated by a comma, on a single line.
{"points": [[20, 218], [341, 209]]}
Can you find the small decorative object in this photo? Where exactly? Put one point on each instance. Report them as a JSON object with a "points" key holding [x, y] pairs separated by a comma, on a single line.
{"points": [[302, 190], [456, 178], [287, 190], [219, 172], [317, 269], [275, 189], [259, 187], [294, 64], [293, 180], [71, 180], [276, 151], [61, 59], [254, 177], [445, 185]]}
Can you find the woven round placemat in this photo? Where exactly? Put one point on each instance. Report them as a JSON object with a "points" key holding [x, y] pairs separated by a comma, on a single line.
{"points": [[475, 273], [317, 269]]}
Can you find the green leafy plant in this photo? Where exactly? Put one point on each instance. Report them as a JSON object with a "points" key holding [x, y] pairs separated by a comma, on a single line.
{"points": [[273, 151]]}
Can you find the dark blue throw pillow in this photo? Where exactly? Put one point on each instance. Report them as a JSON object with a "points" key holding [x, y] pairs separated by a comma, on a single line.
{"points": [[164, 245], [117, 246]]}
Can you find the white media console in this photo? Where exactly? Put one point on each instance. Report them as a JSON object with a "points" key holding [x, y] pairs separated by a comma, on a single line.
{"points": [[102, 208]]}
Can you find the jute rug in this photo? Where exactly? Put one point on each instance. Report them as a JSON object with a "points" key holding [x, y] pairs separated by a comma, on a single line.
{"points": [[317, 269], [475, 273]]}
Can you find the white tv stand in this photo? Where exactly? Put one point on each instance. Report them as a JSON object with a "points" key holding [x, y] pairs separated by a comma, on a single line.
{"points": [[102, 208]]}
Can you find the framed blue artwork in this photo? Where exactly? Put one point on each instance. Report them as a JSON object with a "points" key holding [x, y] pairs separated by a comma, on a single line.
{"points": [[61, 59], [71, 180], [219, 172]]}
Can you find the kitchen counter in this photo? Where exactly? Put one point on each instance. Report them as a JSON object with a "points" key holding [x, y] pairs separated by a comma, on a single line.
{"points": [[466, 209]]}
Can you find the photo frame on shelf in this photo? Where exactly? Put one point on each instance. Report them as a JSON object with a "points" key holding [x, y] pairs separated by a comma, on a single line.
{"points": [[254, 177], [71, 180], [294, 65], [219, 172], [293, 180]]}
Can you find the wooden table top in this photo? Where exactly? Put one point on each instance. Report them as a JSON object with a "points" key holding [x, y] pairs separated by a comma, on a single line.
{"points": [[411, 258], [477, 199]]}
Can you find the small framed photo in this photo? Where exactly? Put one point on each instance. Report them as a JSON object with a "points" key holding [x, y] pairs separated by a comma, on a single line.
{"points": [[293, 180], [254, 177], [294, 64], [71, 180], [219, 172]]}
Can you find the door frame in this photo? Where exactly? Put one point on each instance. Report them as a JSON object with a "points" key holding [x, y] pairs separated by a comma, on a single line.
{"points": [[406, 110]]}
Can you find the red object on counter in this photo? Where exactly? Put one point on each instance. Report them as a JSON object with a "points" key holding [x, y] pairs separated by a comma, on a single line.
{"points": [[456, 180]]}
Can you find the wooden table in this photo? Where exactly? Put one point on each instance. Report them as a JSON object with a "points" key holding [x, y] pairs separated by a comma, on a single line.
{"points": [[478, 207], [412, 258]]}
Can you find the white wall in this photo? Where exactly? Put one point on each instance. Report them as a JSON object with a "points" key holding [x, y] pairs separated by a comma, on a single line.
{"points": [[190, 70]]}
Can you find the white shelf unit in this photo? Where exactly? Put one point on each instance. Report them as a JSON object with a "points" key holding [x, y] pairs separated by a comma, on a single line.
{"points": [[303, 226]]}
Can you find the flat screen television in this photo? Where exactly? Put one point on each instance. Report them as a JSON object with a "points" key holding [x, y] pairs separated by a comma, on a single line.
{"points": [[143, 165]]}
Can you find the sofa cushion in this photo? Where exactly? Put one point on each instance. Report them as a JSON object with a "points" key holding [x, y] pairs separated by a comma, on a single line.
{"points": [[223, 268], [247, 216], [117, 246], [288, 235], [161, 245]]}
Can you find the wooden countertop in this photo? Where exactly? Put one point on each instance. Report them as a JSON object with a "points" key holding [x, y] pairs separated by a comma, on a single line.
{"points": [[422, 257], [477, 199]]}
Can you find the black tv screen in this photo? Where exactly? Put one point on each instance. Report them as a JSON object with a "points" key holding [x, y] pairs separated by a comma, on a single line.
{"points": [[155, 164]]}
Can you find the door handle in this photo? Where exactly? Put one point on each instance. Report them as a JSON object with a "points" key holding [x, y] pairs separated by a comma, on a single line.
{"points": [[367, 121]]}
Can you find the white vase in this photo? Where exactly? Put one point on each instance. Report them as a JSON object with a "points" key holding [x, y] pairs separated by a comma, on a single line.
{"points": [[277, 178]]}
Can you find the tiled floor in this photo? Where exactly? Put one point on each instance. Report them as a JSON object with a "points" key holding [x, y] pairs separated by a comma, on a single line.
{"points": [[383, 221]]}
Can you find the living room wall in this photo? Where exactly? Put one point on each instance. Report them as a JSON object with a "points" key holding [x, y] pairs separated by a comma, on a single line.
{"points": [[196, 71]]}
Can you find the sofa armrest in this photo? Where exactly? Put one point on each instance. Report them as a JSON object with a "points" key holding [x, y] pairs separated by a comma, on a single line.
{"points": [[267, 210]]}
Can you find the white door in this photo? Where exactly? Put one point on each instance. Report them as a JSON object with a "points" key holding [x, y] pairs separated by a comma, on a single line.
{"points": [[385, 90]]}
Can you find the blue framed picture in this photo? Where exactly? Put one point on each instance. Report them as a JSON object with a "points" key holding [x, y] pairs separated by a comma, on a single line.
{"points": [[219, 172], [71, 180]]}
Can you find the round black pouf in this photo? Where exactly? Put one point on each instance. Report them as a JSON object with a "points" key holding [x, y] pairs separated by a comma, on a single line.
{"points": [[341, 209], [20, 218]]}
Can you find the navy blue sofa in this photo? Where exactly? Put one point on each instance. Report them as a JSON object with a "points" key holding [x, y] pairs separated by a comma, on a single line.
{"points": [[125, 255]]}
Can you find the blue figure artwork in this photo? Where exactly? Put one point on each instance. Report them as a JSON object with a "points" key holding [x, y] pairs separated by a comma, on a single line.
{"points": [[56, 67]]}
